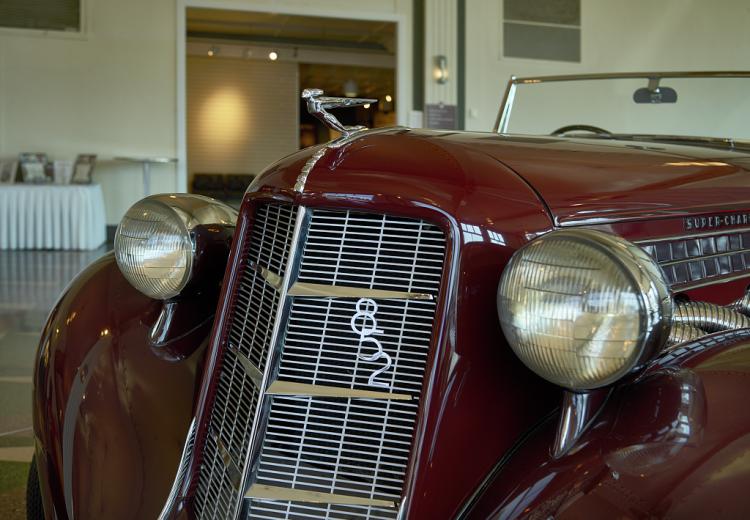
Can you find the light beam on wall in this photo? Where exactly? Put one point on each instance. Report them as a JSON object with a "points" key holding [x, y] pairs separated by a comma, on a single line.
{"points": [[223, 118]]}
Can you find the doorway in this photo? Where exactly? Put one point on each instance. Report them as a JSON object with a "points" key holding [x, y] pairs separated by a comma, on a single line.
{"points": [[240, 76]]}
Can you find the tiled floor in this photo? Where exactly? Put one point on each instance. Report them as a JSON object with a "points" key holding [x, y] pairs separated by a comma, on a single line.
{"points": [[30, 283]]}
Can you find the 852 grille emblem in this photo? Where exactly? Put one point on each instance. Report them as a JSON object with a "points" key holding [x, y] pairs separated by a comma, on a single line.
{"points": [[366, 310]]}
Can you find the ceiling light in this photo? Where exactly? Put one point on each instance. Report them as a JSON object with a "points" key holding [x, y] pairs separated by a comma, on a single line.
{"points": [[273, 56], [388, 98], [366, 105]]}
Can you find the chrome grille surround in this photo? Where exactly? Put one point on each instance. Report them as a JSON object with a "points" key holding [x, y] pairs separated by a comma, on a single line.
{"points": [[308, 420], [187, 453], [701, 259]]}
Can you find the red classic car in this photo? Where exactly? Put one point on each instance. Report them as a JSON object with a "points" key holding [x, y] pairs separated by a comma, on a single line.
{"points": [[426, 324]]}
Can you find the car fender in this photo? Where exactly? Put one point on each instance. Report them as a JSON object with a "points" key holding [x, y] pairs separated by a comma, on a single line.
{"points": [[110, 411], [673, 442]]}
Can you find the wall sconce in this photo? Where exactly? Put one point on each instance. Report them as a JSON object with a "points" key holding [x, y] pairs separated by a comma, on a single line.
{"points": [[440, 72]]}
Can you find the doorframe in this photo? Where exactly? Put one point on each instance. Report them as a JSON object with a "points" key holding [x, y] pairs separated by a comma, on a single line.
{"points": [[403, 64]]}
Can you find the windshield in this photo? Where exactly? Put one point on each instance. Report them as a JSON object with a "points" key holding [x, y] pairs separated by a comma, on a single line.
{"points": [[704, 106]]}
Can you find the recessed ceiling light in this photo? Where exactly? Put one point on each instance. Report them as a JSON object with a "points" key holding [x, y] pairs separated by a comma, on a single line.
{"points": [[388, 98], [273, 56]]}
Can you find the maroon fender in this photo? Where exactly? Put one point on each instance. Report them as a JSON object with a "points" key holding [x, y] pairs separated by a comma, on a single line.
{"points": [[110, 415], [673, 443]]}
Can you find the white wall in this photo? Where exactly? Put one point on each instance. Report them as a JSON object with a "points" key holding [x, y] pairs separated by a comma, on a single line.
{"points": [[239, 116], [440, 35], [616, 35], [114, 91], [109, 92]]}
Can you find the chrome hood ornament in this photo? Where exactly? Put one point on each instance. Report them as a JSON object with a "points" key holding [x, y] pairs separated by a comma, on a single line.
{"points": [[318, 106]]}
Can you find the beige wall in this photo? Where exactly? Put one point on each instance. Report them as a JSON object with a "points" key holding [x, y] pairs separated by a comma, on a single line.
{"points": [[109, 92], [440, 39], [239, 117], [113, 91], [617, 35]]}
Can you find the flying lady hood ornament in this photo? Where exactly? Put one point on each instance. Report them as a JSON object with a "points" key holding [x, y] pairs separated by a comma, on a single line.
{"points": [[318, 105]]}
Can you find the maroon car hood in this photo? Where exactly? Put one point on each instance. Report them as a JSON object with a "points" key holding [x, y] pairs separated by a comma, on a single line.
{"points": [[590, 181]]}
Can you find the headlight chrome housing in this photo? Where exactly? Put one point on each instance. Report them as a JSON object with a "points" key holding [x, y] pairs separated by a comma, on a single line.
{"points": [[155, 245], [582, 308]]}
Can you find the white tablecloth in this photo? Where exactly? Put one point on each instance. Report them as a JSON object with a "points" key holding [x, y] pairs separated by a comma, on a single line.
{"points": [[51, 216]]}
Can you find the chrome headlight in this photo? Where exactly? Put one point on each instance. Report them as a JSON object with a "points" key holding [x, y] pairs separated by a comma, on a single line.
{"points": [[582, 308], [155, 245]]}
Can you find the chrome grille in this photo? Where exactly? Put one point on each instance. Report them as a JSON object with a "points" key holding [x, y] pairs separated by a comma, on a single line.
{"points": [[690, 261], [354, 447], [330, 355], [375, 251], [237, 395], [187, 453], [276, 510], [309, 420], [343, 445]]}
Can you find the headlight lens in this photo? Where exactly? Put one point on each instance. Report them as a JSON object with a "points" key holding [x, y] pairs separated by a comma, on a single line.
{"points": [[582, 308], [153, 249], [154, 246]]}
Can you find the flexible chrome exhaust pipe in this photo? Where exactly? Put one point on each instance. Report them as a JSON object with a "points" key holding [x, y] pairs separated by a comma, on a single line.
{"points": [[693, 320]]}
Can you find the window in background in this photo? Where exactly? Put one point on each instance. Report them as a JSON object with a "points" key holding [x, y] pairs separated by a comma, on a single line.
{"points": [[542, 29], [43, 15]]}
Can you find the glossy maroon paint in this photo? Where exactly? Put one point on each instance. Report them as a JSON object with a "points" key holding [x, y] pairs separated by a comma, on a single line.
{"points": [[672, 444], [185, 321], [585, 180], [484, 191], [110, 417]]}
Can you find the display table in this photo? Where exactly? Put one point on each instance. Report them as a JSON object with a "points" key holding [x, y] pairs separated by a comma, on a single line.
{"points": [[146, 163], [51, 216]]}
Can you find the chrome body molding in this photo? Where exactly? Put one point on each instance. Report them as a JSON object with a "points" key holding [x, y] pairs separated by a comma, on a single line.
{"points": [[230, 465], [187, 452], [273, 279], [299, 185], [261, 491], [577, 412], [302, 389], [318, 290], [254, 372], [691, 235]]}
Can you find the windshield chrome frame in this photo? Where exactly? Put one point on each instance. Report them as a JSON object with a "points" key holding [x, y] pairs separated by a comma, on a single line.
{"points": [[506, 106]]}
